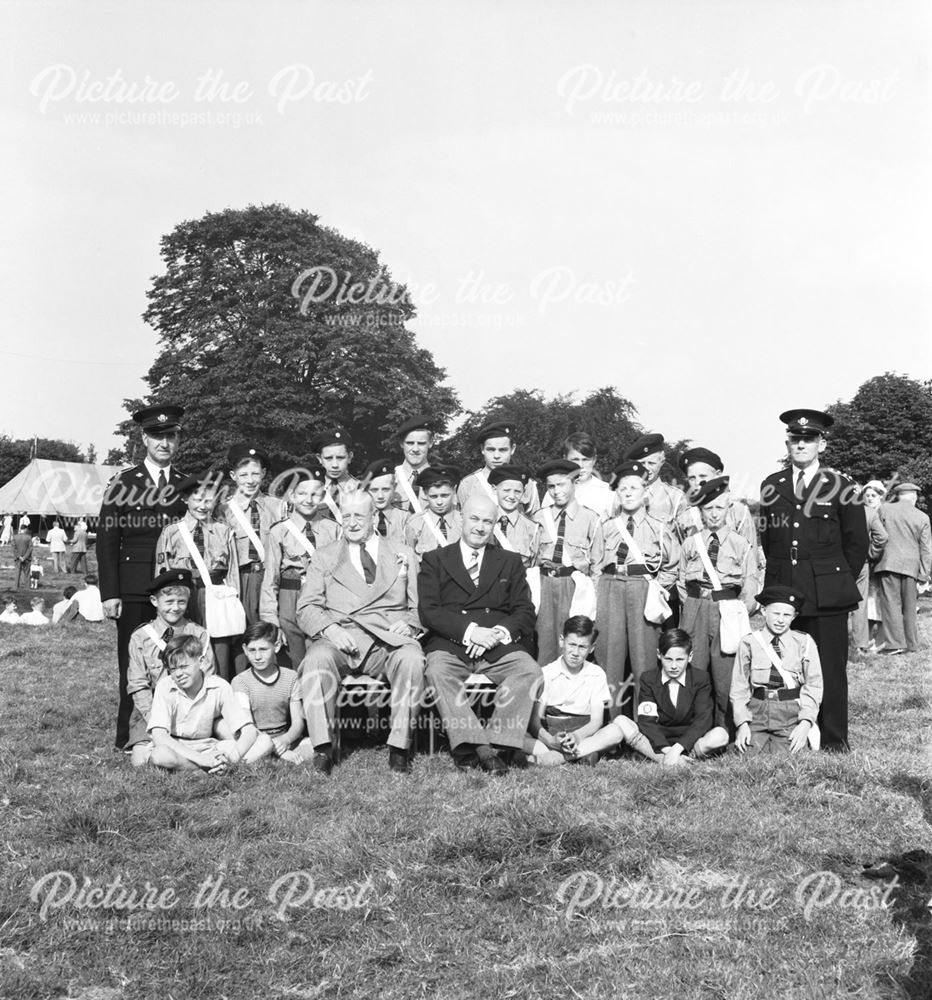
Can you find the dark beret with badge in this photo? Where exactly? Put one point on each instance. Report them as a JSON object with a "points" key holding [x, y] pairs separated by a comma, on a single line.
{"points": [[209, 480], [244, 452], [806, 423], [496, 429], [433, 475], [647, 444], [558, 467], [375, 470], [628, 469], [781, 595], [330, 439], [156, 419], [702, 455], [509, 474], [422, 422], [709, 490], [171, 578]]}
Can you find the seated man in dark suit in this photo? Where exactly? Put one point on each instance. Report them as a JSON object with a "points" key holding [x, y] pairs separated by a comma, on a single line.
{"points": [[475, 601]]}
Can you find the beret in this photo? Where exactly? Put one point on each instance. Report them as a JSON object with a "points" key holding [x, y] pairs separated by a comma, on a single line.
{"points": [[165, 417], [327, 439], [244, 452], [380, 467], [647, 444], [557, 466], [187, 486], [708, 491], [171, 578], [806, 423], [781, 595], [499, 428], [434, 474], [422, 422], [508, 474], [701, 455], [629, 469]]}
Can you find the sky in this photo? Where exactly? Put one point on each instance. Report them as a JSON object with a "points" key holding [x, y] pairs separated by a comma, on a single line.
{"points": [[720, 208]]}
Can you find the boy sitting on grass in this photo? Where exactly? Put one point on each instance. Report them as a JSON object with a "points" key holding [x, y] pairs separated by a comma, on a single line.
{"points": [[36, 616], [9, 616], [65, 610], [572, 705], [169, 594], [776, 688], [186, 708], [272, 695], [674, 709]]}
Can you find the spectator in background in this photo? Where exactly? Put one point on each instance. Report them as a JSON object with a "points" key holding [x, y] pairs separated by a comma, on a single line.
{"points": [[7, 535], [65, 610], [36, 616], [90, 606], [57, 540], [906, 560], [22, 553], [24, 523], [9, 615], [862, 620], [79, 547]]}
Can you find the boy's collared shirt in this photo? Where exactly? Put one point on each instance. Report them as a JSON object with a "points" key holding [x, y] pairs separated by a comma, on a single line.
{"points": [[89, 604], [10, 617], [409, 474], [657, 543], [34, 618], [285, 553], [665, 722], [479, 480], [270, 511], [799, 658], [193, 718], [422, 538], [219, 551], [145, 667], [737, 517], [583, 541], [665, 502], [593, 493], [736, 564], [570, 692], [523, 533], [395, 520], [338, 492]]}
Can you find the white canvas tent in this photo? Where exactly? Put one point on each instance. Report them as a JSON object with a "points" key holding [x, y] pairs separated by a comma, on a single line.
{"points": [[65, 489]]}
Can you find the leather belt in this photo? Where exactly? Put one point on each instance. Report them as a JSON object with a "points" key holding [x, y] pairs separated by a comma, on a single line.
{"points": [[695, 588], [775, 694]]}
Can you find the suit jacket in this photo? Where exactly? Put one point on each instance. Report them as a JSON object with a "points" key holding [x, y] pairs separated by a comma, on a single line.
{"points": [[334, 593], [132, 516], [817, 543], [876, 532], [22, 546], [449, 602], [665, 725], [909, 542]]}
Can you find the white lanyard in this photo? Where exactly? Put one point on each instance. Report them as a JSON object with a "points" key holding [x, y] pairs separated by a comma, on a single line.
{"points": [[155, 637], [707, 562], [437, 533], [401, 477], [243, 522], [788, 679], [547, 514], [193, 552], [300, 537], [633, 548]]}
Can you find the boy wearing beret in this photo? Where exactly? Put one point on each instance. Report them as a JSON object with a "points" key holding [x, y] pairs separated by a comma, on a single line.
{"points": [[716, 565], [664, 501], [571, 542], [417, 437], [440, 524], [334, 451], [699, 465], [379, 481], [776, 688], [515, 531], [291, 544], [496, 441]]}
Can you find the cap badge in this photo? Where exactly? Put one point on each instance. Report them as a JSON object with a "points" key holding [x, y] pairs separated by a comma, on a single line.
{"points": [[252, 451], [803, 421], [161, 418]]}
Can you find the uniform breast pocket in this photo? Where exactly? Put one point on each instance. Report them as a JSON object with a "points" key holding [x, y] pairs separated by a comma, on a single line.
{"points": [[826, 525]]}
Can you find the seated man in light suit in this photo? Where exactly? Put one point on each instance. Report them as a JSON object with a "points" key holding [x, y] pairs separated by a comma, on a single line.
{"points": [[359, 602], [475, 601]]}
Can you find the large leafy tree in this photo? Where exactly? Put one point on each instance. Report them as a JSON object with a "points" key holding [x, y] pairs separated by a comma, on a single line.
{"points": [[543, 424], [885, 431], [272, 328], [15, 454]]}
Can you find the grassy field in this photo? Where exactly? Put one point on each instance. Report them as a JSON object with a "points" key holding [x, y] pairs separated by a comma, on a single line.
{"points": [[729, 880]]}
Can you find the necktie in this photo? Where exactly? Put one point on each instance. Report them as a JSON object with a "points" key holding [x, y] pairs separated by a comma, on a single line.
{"points": [[672, 688], [383, 527], [309, 532], [622, 554], [474, 568], [561, 533], [368, 564], [442, 525], [168, 633], [163, 480], [714, 546], [254, 524], [503, 524], [776, 680], [335, 492], [198, 537], [800, 485]]}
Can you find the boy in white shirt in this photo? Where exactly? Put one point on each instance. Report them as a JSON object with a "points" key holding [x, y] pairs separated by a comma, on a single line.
{"points": [[35, 617]]}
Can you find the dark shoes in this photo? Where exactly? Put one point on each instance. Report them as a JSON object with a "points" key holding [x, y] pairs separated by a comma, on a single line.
{"points": [[322, 763], [399, 761], [493, 764]]}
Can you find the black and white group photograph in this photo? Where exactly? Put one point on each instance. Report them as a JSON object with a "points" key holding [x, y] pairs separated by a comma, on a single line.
{"points": [[465, 473]]}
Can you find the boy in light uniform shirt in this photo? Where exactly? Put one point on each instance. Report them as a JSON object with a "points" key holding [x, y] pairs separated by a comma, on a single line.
{"points": [[735, 564], [699, 465], [496, 441], [440, 524], [665, 502], [776, 688], [290, 546], [215, 542], [187, 708], [417, 437], [515, 531], [591, 490], [627, 643], [571, 541], [379, 481], [334, 451], [169, 594], [249, 506]]}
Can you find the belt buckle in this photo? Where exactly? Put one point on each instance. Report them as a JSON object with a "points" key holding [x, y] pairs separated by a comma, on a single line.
{"points": [[773, 694]]}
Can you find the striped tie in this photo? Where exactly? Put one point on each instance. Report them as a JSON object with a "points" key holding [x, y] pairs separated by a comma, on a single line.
{"points": [[474, 568], [776, 678], [255, 524]]}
